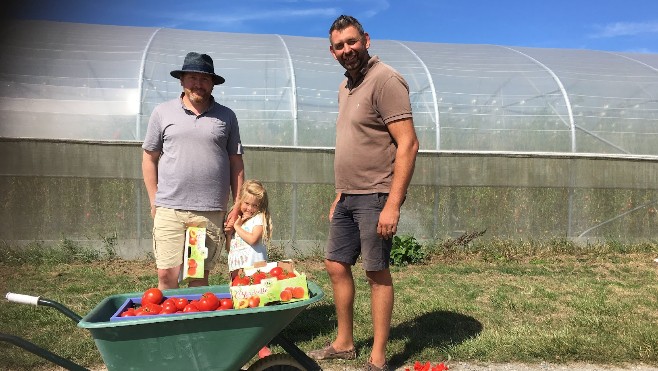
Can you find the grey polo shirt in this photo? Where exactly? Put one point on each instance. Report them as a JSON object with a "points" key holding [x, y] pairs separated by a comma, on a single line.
{"points": [[194, 169]]}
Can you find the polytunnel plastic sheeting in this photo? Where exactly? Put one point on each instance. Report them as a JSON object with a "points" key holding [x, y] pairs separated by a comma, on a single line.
{"points": [[81, 81], [492, 99], [317, 77], [421, 90], [613, 96], [67, 80], [258, 79]]}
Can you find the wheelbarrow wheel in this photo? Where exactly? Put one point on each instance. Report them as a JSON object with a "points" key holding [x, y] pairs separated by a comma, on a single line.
{"points": [[277, 362]]}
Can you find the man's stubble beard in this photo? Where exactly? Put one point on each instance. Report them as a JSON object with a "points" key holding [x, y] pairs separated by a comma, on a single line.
{"points": [[198, 98]]}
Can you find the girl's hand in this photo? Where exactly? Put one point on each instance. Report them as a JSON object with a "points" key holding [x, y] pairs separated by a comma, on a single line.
{"points": [[238, 221]]}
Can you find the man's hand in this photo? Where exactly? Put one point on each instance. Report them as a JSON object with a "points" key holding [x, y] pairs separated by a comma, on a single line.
{"points": [[387, 226], [230, 220], [332, 208]]}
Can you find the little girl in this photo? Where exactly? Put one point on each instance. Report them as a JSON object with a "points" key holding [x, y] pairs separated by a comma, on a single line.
{"points": [[253, 228]]}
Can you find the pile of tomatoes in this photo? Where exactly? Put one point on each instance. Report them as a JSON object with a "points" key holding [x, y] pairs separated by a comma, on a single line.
{"points": [[277, 272], [154, 303], [427, 366]]}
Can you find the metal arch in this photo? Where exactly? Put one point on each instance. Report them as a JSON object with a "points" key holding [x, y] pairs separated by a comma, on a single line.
{"points": [[572, 123], [436, 103], [140, 83], [293, 91], [634, 60]]}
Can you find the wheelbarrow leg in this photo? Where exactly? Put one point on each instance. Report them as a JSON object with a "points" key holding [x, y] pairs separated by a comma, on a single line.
{"points": [[292, 349], [43, 353]]}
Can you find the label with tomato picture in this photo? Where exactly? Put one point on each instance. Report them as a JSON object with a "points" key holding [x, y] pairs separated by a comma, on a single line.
{"points": [[195, 254], [273, 287]]}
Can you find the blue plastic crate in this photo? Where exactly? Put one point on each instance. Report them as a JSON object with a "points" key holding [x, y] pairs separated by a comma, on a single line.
{"points": [[137, 302]]}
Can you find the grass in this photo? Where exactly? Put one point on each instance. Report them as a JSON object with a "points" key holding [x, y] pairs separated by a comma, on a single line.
{"points": [[470, 301]]}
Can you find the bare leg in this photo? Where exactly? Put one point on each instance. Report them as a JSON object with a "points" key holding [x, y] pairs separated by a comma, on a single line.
{"points": [[342, 282], [168, 278], [381, 302], [200, 281]]}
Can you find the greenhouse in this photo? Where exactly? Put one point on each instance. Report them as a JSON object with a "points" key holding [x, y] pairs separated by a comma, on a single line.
{"points": [[516, 142]]}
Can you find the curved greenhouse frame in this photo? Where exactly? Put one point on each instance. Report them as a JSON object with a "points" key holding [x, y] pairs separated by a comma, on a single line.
{"points": [[520, 142]]}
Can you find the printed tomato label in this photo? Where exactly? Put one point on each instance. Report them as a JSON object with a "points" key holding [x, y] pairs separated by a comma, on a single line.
{"points": [[195, 254]]}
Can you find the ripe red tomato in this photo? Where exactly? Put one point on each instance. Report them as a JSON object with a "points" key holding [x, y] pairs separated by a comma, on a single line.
{"points": [[152, 308], [208, 302], [169, 307], [241, 280], [130, 312], [181, 303], [152, 295], [274, 272], [191, 307], [147, 310], [225, 303], [258, 276]]}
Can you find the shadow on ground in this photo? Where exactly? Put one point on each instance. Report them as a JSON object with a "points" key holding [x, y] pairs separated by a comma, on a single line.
{"points": [[439, 329]]}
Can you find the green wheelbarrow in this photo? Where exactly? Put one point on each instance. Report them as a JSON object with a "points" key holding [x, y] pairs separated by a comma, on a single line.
{"points": [[218, 340]]}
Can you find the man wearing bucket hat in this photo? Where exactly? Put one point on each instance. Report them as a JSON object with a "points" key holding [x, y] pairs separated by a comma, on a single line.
{"points": [[192, 161]]}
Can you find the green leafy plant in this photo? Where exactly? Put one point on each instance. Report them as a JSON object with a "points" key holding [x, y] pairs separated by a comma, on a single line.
{"points": [[406, 250]]}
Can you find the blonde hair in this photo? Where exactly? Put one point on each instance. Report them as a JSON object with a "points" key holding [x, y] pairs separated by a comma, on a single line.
{"points": [[255, 188]]}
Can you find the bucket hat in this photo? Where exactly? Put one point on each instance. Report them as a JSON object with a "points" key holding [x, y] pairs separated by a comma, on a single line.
{"points": [[201, 63]]}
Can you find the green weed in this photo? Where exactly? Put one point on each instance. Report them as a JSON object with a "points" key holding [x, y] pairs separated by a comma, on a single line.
{"points": [[406, 250]]}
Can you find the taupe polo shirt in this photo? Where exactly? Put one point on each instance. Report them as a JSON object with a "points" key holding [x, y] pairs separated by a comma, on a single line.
{"points": [[365, 151]]}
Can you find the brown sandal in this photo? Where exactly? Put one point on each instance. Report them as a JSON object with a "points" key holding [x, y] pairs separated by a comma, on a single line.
{"points": [[329, 352], [371, 367]]}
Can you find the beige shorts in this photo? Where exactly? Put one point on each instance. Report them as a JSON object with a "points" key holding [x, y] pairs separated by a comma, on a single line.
{"points": [[169, 227]]}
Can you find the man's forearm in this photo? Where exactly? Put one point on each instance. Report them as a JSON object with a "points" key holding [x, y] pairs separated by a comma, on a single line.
{"points": [[237, 176], [402, 174], [150, 175]]}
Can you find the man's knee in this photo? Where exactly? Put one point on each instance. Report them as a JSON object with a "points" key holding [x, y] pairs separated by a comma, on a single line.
{"points": [[168, 278], [340, 273], [380, 278]]}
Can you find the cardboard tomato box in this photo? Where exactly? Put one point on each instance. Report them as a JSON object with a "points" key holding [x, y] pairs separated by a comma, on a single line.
{"points": [[271, 290], [195, 254]]}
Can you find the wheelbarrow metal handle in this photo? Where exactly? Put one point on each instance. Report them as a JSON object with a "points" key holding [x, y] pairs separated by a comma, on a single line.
{"points": [[37, 300]]}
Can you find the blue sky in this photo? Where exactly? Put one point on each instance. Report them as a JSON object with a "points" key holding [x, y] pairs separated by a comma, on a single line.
{"points": [[613, 25]]}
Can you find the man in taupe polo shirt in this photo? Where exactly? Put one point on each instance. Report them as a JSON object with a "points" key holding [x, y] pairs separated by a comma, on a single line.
{"points": [[376, 148]]}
